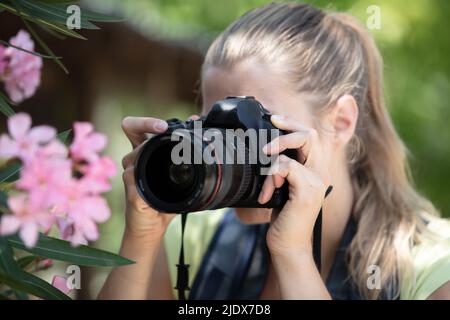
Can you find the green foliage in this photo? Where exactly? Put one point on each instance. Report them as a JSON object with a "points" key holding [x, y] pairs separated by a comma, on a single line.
{"points": [[61, 250], [19, 281], [51, 16]]}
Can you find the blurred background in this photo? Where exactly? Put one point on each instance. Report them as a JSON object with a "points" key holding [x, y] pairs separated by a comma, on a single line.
{"points": [[149, 64]]}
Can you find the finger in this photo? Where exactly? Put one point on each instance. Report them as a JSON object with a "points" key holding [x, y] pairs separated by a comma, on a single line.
{"points": [[287, 169], [312, 147], [295, 140], [271, 183], [267, 190], [138, 128], [278, 181], [278, 175], [132, 195], [128, 176], [130, 158]]}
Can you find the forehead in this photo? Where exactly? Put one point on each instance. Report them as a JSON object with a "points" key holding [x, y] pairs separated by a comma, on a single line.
{"points": [[246, 79]]}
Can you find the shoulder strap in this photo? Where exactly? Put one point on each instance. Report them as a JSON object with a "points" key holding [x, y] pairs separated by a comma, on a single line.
{"points": [[235, 264]]}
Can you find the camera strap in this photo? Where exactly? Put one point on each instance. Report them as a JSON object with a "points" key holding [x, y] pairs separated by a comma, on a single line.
{"points": [[317, 236], [182, 268]]}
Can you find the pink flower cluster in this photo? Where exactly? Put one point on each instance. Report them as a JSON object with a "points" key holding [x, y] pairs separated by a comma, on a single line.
{"points": [[58, 186], [19, 70]]}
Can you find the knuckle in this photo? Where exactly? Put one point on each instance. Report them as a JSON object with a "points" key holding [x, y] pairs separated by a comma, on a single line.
{"points": [[124, 161], [128, 174], [127, 160], [291, 164], [284, 158]]}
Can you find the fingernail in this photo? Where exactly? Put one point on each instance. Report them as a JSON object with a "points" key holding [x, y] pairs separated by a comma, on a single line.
{"points": [[161, 125], [266, 148], [277, 117]]}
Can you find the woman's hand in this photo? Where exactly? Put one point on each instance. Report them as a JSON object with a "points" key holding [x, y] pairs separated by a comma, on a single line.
{"points": [[290, 233], [291, 230], [142, 221]]}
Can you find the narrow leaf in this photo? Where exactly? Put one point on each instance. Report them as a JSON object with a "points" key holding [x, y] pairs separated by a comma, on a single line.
{"points": [[57, 27], [34, 53], [4, 107], [7, 262], [52, 13], [26, 261], [44, 46], [11, 173], [64, 135], [31, 284], [3, 199], [57, 249]]}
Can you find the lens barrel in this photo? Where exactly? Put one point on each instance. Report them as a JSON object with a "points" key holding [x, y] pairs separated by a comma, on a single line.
{"points": [[186, 187]]}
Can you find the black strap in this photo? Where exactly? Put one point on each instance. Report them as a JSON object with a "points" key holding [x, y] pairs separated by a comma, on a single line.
{"points": [[182, 268], [317, 236]]}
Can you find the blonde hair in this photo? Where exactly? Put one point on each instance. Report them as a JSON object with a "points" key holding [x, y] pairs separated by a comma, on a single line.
{"points": [[329, 55]]}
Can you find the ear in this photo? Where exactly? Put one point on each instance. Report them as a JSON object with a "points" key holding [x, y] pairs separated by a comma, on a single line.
{"points": [[343, 119]]}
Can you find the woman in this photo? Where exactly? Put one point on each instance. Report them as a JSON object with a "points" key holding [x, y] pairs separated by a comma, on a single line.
{"points": [[320, 74]]}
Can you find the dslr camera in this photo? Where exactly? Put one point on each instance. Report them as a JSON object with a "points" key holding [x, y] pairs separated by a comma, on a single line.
{"points": [[210, 163]]}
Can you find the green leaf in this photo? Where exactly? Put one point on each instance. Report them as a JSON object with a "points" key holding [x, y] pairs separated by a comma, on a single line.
{"points": [[26, 261], [29, 283], [55, 26], [4, 106], [3, 199], [20, 295], [57, 249], [64, 135], [44, 46], [53, 13], [7, 99], [20, 281], [4, 296], [7, 262], [11, 173], [34, 53]]}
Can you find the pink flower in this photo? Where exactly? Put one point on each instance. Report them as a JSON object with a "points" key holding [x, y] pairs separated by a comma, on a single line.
{"points": [[97, 174], [83, 210], [56, 187], [86, 143], [23, 142], [22, 74], [44, 179], [60, 283], [27, 217]]}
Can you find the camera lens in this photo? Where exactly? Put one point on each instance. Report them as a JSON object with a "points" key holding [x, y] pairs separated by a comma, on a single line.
{"points": [[181, 174], [184, 187]]}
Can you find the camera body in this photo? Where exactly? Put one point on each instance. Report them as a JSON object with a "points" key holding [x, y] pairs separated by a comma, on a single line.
{"points": [[224, 180]]}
